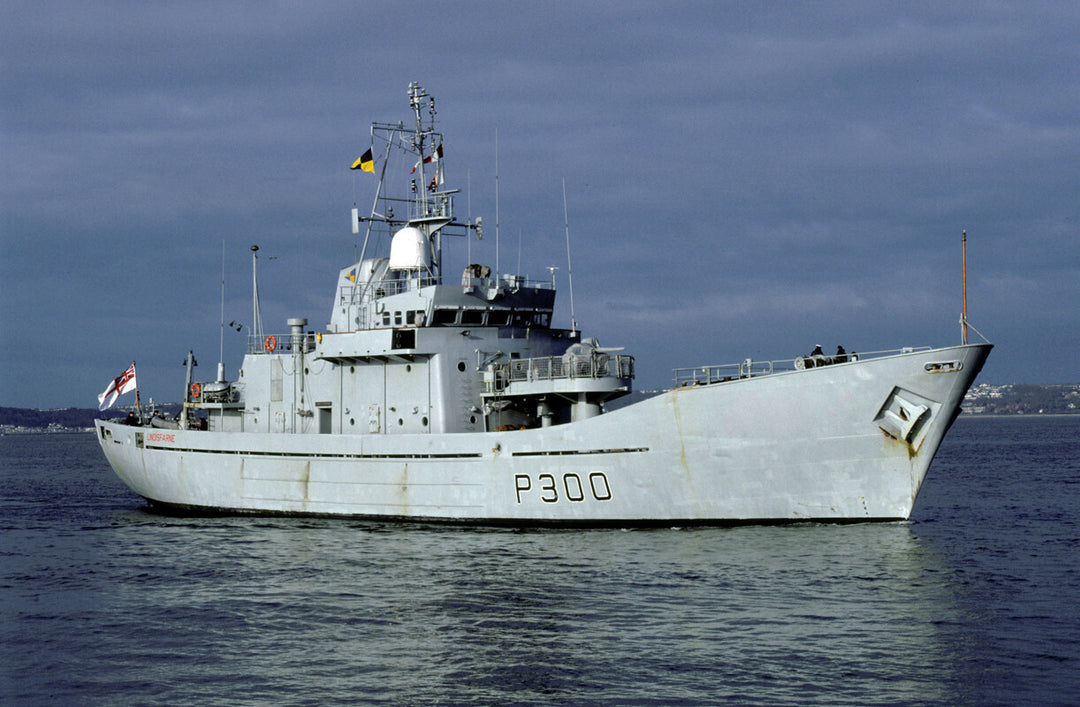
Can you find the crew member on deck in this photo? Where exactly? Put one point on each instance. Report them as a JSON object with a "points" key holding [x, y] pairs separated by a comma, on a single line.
{"points": [[841, 355]]}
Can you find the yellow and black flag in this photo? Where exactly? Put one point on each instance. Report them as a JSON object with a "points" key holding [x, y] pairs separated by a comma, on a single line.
{"points": [[366, 162]]}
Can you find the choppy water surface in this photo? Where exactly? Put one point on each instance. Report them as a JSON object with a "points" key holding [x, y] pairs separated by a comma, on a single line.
{"points": [[973, 602]]}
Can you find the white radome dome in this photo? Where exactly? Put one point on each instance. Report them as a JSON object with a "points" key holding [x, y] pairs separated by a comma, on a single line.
{"points": [[409, 250]]}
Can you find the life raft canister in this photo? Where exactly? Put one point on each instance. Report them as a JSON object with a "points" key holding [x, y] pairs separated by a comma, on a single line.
{"points": [[196, 390], [271, 343]]}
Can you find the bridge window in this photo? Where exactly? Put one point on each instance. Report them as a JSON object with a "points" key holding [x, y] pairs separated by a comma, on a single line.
{"points": [[444, 317]]}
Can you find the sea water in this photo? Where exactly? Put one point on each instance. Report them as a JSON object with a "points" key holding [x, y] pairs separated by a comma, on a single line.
{"points": [[974, 601]]}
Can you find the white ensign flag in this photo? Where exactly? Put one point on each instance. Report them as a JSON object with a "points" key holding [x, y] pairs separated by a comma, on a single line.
{"points": [[124, 383]]}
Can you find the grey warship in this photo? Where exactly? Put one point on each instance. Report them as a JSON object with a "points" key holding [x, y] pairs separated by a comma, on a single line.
{"points": [[432, 397]]}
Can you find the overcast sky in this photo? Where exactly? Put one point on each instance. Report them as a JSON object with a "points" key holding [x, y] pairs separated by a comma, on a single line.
{"points": [[743, 180]]}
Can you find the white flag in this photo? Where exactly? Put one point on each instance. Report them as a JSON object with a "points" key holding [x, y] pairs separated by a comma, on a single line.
{"points": [[124, 383]]}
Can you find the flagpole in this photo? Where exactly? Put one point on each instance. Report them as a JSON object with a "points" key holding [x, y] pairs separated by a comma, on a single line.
{"points": [[963, 258], [138, 408], [468, 192], [496, 205], [569, 267]]}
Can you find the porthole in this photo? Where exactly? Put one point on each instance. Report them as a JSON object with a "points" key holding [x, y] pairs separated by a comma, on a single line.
{"points": [[423, 421], [408, 367], [400, 422], [461, 366], [472, 419], [352, 421]]}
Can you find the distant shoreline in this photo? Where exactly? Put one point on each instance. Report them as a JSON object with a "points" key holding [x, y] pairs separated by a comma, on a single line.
{"points": [[1021, 414], [45, 431], [983, 400], [22, 430]]}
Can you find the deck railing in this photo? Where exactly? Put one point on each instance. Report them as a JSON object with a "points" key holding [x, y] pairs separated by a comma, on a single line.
{"points": [[560, 367], [378, 289], [707, 375], [283, 343]]}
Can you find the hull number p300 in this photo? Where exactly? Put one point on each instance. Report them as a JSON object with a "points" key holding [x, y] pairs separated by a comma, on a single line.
{"points": [[569, 487]]}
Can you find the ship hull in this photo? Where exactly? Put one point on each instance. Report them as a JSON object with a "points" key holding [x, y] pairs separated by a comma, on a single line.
{"points": [[846, 442]]}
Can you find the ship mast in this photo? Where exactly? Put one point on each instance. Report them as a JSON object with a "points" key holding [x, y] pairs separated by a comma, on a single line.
{"points": [[256, 315], [430, 208], [416, 98]]}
